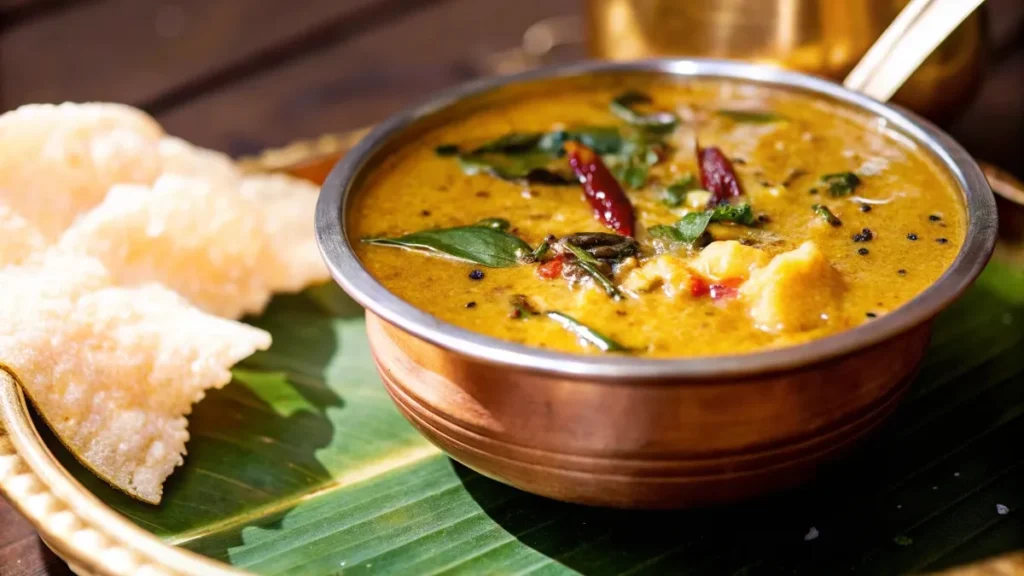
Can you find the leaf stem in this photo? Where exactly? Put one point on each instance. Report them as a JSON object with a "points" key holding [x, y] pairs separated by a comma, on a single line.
{"points": [[586, 333], [589, 265]]}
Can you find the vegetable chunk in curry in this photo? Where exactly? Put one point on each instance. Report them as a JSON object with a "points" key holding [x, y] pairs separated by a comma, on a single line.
{"points": [[658, 219]]}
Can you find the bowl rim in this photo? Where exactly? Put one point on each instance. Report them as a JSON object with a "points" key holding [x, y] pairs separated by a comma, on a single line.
{"points": [[349, 273]]}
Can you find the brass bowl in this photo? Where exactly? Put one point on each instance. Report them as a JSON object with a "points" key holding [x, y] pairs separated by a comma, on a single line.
{"points": [[639, 432]]}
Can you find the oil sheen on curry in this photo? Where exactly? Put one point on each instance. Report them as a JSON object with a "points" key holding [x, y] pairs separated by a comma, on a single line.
{"points": [[668, 220]]}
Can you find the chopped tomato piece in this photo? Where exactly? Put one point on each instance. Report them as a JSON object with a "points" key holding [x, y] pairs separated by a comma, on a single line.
{"points": [[719, 292], [698, 287], [551, 269], [725, 289]]}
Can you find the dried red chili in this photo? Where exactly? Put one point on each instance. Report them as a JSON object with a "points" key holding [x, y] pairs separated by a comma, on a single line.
{"points": [[551, 269], [717, 175], [611, 205]]}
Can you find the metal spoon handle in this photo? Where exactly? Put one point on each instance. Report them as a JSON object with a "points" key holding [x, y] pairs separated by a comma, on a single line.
{"points": [[915, 33]]}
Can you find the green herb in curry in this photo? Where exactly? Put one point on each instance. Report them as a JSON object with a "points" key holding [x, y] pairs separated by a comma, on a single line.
{"points": [[687, 229], [592, 267], [586, 333], [480, 243], [825, 214], [741, 214], [841, 183], [632, 172], [535, 157], [537, 167], [692, 227], [601, 139], [674, 195], [541, 250], [626, 106], [521, 309]]}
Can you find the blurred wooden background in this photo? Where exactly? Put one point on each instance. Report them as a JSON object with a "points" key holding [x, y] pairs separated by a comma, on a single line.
{"points": [[243, 75]]}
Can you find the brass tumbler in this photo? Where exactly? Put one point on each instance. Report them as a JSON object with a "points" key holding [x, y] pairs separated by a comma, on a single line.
{"points": [[821, 37]]}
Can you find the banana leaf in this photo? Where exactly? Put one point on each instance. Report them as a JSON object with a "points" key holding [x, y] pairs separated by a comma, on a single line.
{"points": [[303, 466]]}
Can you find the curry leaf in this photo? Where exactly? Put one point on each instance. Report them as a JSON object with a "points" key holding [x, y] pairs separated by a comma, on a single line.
{"points": [[534, 156], [550, 176], [639, 152], [664, 232], [675, 194], [600, 139], [625, 106], [841, 183], [478, 244], [586, 333], [631, 173], [751, 116], [536, 167], [687, 229], [692, 226], [511, 143], [738, 213]]}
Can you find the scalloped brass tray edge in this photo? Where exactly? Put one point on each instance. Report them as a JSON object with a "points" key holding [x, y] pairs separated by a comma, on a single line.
{"points": [[97, 541], [87, 534]]}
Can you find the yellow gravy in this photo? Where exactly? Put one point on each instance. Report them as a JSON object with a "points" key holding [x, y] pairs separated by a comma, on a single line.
{"points": [[790, 276]]}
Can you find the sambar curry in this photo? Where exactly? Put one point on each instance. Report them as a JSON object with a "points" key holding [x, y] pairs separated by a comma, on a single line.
{"points": [[661, 219]]}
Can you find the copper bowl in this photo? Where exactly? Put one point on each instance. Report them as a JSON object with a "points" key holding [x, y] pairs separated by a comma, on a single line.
{"points": [[638, 432]]}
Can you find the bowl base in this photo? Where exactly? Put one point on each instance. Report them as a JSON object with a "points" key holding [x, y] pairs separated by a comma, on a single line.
{"points": [[480, 431]]}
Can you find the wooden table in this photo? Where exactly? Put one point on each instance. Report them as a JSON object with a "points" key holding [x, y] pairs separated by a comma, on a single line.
{"points": [[242, 76]]}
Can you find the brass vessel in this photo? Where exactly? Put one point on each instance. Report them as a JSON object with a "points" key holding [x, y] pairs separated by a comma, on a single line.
{"points": [[824, 38]]}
